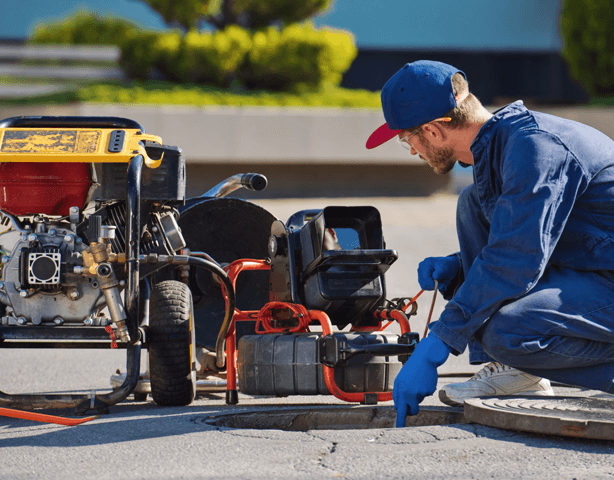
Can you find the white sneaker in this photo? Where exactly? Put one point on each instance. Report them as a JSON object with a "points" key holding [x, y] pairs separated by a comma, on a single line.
{"points": [[495, 379]]}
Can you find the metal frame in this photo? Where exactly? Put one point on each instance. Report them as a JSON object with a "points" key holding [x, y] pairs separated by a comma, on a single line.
{"points": [[389, 315]]}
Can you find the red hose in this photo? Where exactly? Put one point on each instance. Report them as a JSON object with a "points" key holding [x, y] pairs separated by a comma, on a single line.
{"points": [[40, 417]]}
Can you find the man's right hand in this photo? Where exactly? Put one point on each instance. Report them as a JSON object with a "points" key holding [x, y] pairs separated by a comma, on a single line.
{"points": [[442, 269], [418, 377]]}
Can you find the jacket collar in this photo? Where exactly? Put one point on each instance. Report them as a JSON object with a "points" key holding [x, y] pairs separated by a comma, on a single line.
{"points": [[489, 128]]}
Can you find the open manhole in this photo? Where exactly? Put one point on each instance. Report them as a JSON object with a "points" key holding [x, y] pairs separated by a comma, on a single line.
{"points": [[302, 419]]}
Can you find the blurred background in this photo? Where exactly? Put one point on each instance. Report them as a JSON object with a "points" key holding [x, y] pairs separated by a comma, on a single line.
{"points": [[290, 88]]}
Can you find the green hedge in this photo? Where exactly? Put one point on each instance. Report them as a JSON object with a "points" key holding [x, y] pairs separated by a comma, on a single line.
{"points": [[271, 59], [296, 57], [84, 29], [210, 58], [194, 58], [298, 54], [140, 54]]}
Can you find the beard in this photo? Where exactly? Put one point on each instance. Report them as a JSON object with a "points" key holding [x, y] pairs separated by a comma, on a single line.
{"points": [[441, 160]]}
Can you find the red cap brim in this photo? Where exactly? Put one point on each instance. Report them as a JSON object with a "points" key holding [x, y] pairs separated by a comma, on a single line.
{"points": [[381, 135]]}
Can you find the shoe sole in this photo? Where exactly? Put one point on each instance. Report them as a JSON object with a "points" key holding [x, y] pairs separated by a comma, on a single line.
{"points": [[453, 403], [448, 401]]}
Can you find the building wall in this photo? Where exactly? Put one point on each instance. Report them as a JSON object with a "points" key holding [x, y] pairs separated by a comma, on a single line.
{"points": [[495, 77], [476, 25], [501, 25]]}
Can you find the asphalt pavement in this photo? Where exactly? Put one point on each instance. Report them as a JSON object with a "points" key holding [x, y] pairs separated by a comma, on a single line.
{"points": [[265, 437]]}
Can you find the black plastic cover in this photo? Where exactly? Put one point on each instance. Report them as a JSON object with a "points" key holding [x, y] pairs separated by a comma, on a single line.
{"points": [[165, 183], [342, 263]]}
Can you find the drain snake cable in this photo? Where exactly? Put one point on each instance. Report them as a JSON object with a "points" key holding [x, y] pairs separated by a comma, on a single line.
{"points": [[407, 305]]}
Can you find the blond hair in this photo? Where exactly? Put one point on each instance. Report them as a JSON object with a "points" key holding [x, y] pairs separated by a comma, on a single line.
{"points": [[470, 110]]}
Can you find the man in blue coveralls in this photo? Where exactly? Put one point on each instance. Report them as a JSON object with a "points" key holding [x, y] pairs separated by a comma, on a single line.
{"points": [[532, 288]]}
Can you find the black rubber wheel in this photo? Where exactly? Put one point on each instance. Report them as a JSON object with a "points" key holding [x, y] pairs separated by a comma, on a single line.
{"points": [[172, 367]]}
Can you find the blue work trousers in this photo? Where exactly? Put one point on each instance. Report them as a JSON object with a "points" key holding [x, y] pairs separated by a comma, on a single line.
{"points": [[562, 329]]}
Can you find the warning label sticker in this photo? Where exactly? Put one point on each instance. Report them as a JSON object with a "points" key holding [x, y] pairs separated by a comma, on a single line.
{"points": [[50, 141]]}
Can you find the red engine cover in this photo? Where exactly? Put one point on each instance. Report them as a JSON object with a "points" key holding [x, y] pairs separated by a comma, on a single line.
{"points": [[43, 188]]}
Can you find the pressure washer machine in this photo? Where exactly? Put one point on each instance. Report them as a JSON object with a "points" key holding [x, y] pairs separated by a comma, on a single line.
{"points": [[77, 252]]}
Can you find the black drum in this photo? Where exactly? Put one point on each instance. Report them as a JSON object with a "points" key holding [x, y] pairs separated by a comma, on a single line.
{"points": [[227, 229]]}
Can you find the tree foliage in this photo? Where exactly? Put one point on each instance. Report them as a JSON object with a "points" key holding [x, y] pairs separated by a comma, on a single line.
{"points": [[588, 35], [251, 14]]}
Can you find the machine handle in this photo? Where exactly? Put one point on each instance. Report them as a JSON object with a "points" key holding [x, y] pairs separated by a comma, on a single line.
{"points": [[254, 181], [250, 181], [382, 259], [70, 122], [335, 351]]}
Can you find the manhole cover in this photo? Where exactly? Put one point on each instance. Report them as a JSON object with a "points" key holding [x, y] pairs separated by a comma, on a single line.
{"points": [[569, 416], [333, 418]]}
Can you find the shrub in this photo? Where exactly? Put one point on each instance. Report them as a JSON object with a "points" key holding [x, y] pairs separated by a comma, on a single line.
{"points": [[586, 27], [210, 58], [298, 57], [165, 50], [140, 55], [84, 29], [194, 58], [298, 54]]}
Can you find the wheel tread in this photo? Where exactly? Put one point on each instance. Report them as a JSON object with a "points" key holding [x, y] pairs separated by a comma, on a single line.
{"points": [[171, 372]]}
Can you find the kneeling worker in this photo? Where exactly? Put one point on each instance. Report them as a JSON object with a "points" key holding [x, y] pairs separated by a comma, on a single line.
{"points": [[532, 288]]}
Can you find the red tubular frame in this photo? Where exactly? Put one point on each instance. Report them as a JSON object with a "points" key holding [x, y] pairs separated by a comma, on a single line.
{"points": [[322, 318], [233, 271]]}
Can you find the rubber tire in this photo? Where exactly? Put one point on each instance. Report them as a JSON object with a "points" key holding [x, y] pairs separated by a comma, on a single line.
{"points": [[172, 365]]}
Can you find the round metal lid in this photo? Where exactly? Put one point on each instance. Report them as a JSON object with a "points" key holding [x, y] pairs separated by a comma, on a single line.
{"points": [[585, 417]]}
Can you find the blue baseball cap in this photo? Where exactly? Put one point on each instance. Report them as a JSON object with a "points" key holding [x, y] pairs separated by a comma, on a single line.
{"points": [[418, 93]]}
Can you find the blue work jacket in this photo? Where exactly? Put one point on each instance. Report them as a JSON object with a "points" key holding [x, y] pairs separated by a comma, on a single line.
{"points": [[546, 185]]}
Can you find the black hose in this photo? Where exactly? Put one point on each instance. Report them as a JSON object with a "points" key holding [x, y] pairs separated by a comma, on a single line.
{"points": [[204, 255], [230, 307]]}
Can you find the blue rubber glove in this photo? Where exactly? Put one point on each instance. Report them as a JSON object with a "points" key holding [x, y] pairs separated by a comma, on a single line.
{"points": [[418, 377], [442, 269]]}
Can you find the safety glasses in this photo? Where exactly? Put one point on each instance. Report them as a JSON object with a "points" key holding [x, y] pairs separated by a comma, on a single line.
{"points": [[404, 141]]}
